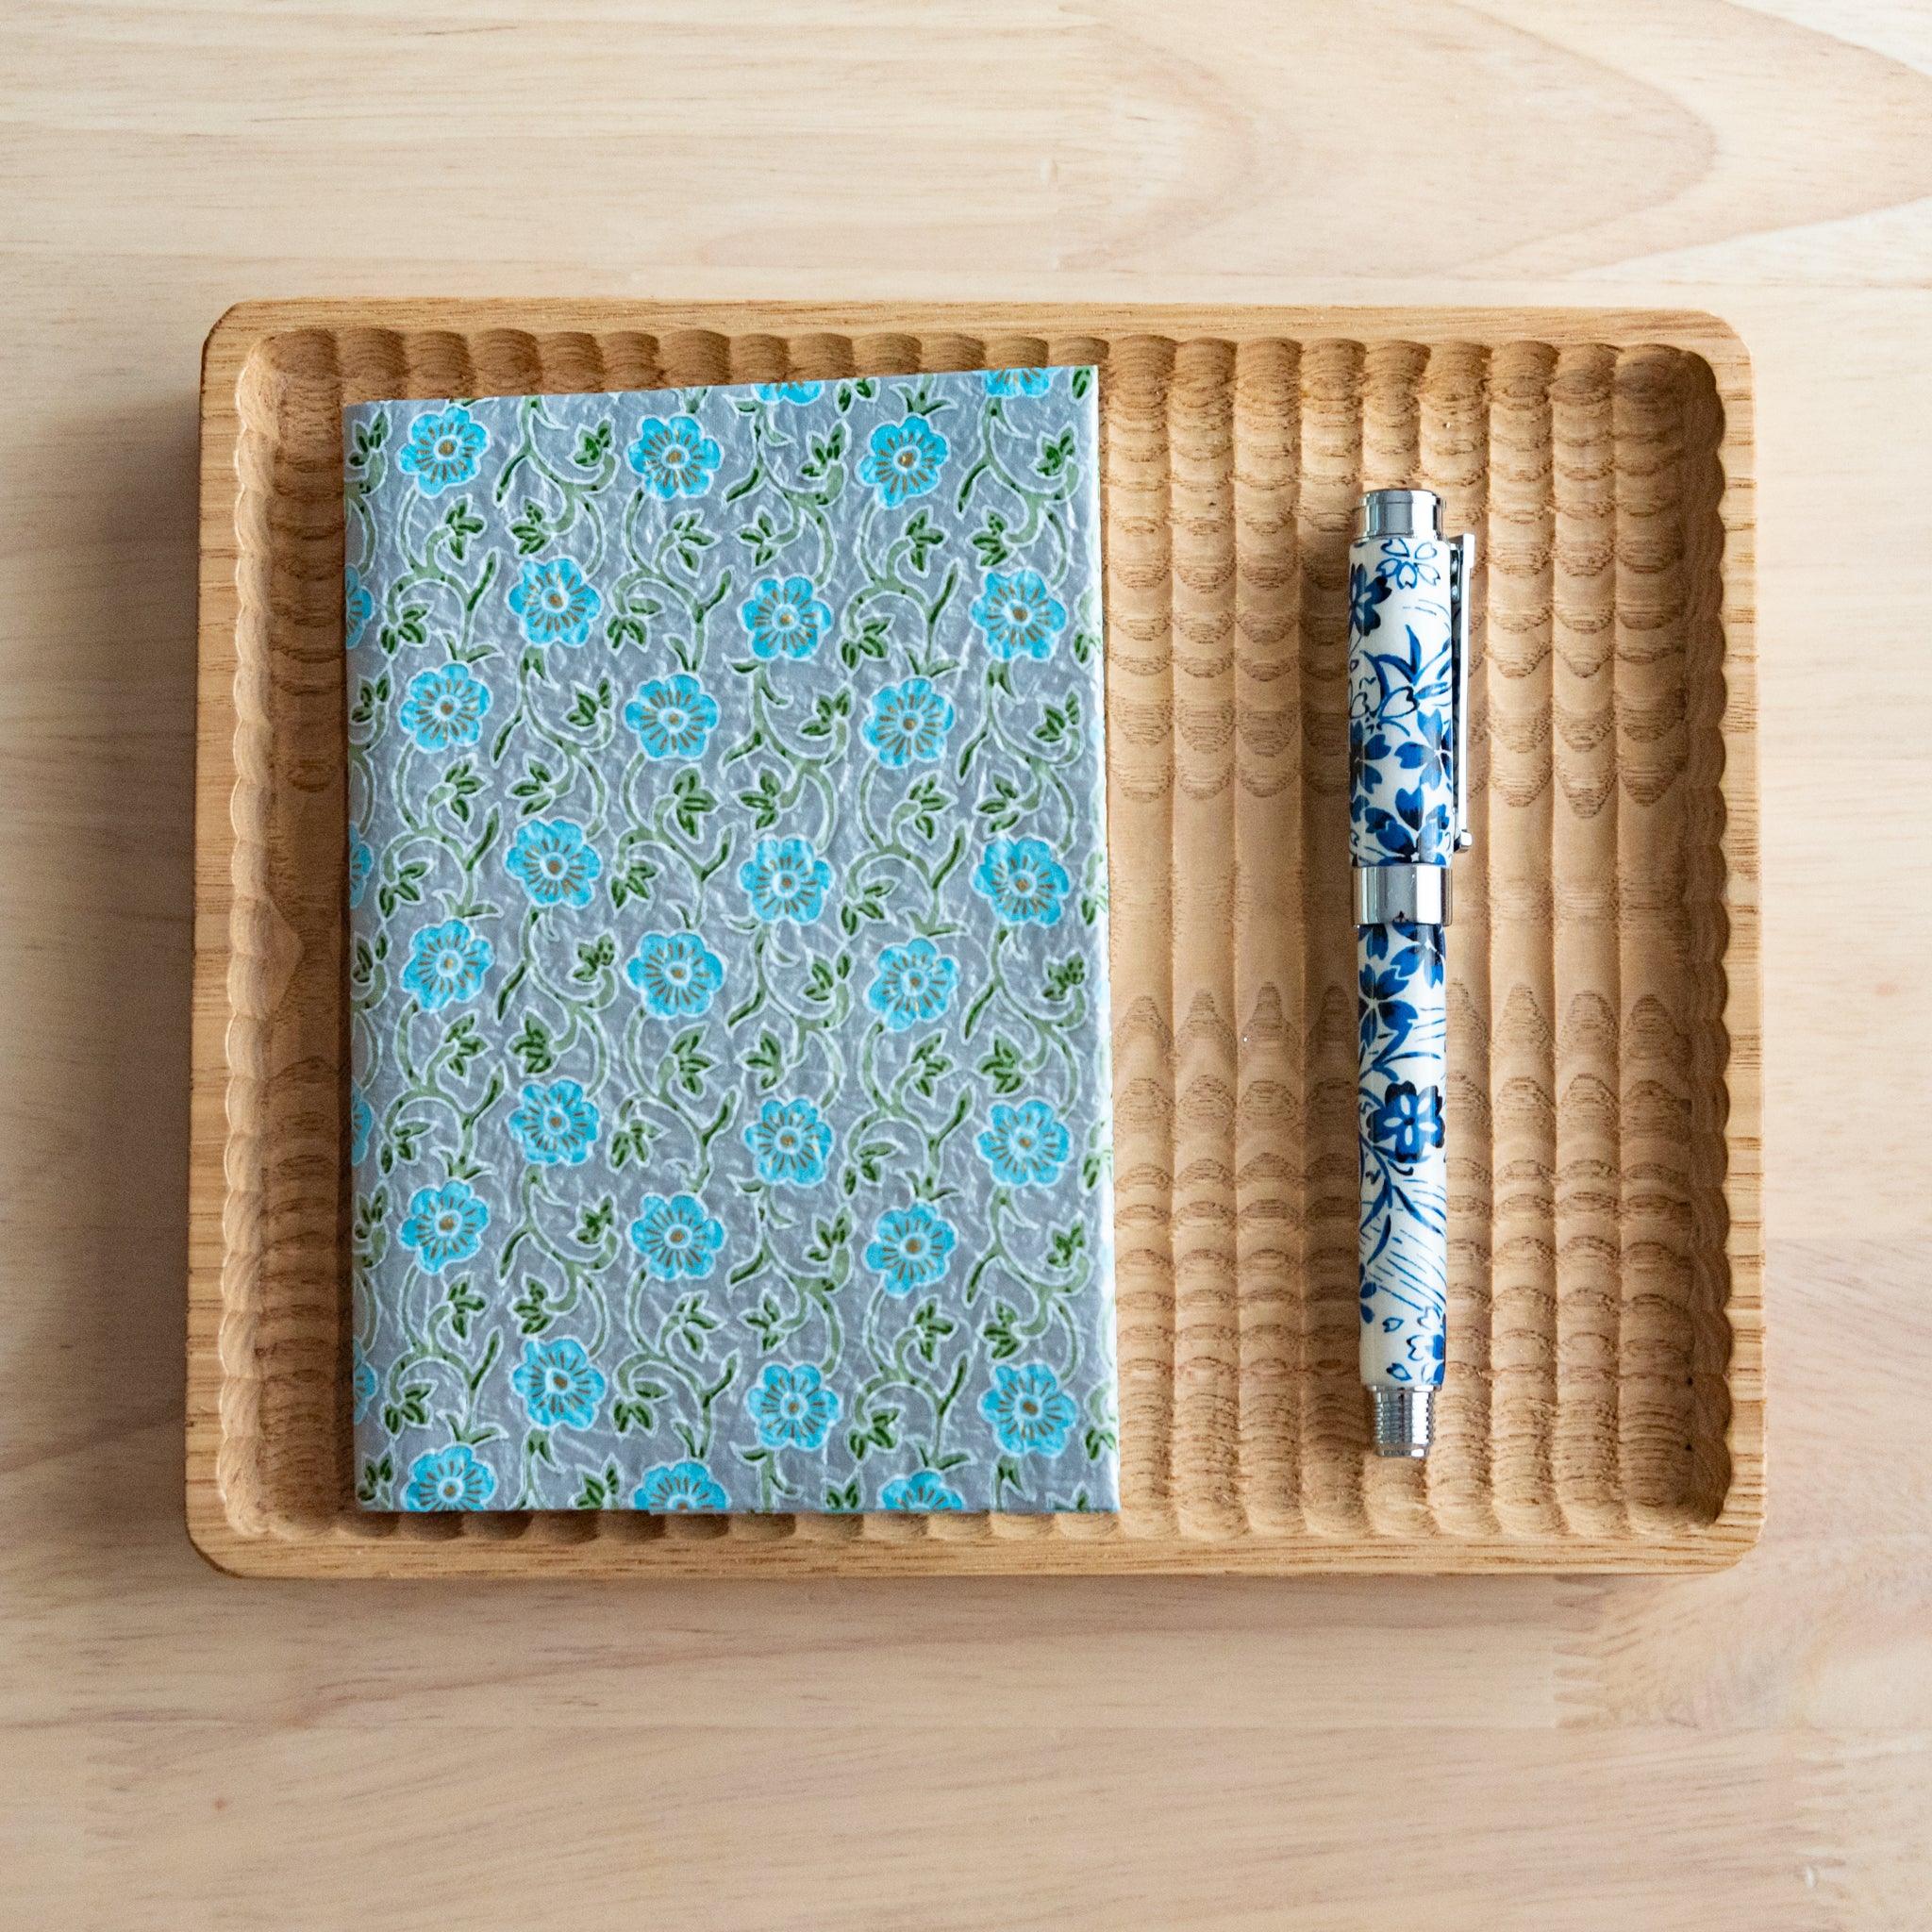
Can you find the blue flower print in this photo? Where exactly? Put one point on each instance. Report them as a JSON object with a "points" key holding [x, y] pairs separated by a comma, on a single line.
{"points": [[443, 448], [449, 1478], [1026, 1146], [914, 983], [1429, 752], [904, 461], [1409, 949], [363, 1383], [675, 459], [790, 1142], [786, 879], [361, 1126], [445, 707], [677, 972], [789, 392], [1029, 1411], [556, 602], [909, 1248], [791, 1407], [1408, 563], [1018, 613], [551, 858], [559, 1384], [556, 1124], [677, 1238], [908, 721], [1407, 1122], [1024, 881], [785, 619], [444, 1224], [1410, 835], [447, 962], [672, 717], [361, 864], [358, 607], [674, 1487], [921, 1492], [1018, 382], [1366, 593], [1383, 1011]]}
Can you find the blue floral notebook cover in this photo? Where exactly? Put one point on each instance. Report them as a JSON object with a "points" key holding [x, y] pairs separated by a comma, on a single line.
{"points": [[731, 1104]]}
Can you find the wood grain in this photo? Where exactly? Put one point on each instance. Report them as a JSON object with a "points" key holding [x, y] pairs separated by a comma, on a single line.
{"points": [[181, 1750], [1613, 1359]]}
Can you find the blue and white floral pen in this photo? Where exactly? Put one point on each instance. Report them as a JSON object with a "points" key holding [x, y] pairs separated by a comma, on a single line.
{"points": [[1409, 812]]}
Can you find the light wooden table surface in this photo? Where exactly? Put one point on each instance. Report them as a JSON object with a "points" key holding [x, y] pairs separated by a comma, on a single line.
{"points": [[181, 1750]]}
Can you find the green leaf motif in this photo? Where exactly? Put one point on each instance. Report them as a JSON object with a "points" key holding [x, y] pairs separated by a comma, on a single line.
{"points": [[762, 537], [530, 529], [990, 539], [462, 1302], [1000, 807], [689, 1065], [412, 1409], [880, 1430], [927, 1067], [927, 804], [921, 536], [692, 802], [594, 959], [461, 523], [1002, 1066], [533, 788], [1063, 975], [765, 799], [1056, 454], [1060, 723], [593, 445], [829, 1236], [534, 1047], [767, 1061], [1066, 1246], [589, 705], [599, 1491], [633, 882], [870, 639], [998, 1331], [767, 1322], [377, 1478], [461, 784], [462, 1043], [929, 1328], [532, 1308], [692, 1321]]}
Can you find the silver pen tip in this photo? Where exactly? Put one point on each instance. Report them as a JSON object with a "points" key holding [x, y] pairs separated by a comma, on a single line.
{"points": [[1405, 1421]]}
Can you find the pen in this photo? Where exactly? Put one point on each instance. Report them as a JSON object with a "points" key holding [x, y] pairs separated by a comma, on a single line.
{"points": [[1409, 812]]}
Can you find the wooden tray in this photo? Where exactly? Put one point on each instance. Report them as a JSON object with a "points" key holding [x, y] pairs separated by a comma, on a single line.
{"points": [[1603, 1405]]}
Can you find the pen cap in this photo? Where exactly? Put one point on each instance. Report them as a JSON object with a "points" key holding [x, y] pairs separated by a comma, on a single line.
{"points": [[1407, 673]]}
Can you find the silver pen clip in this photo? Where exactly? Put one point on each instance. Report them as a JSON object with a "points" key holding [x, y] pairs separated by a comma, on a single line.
{"points": [[1461, 564]]}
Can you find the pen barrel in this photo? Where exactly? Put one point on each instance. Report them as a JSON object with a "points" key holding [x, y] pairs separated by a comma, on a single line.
{"points": [[1405, 1178], [1402, 813]]}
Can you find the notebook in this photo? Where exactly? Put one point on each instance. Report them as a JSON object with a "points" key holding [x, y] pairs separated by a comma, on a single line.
{"points": [[727, 880]]}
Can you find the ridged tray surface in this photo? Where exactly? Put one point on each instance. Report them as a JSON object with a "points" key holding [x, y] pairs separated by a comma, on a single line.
{"points": [[1602, 1407]]}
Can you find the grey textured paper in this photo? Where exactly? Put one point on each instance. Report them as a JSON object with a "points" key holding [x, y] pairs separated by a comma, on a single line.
{"points": [[730, 1113]]}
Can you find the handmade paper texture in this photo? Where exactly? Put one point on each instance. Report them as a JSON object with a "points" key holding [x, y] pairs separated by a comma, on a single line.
{"points": [[726, 873]]}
